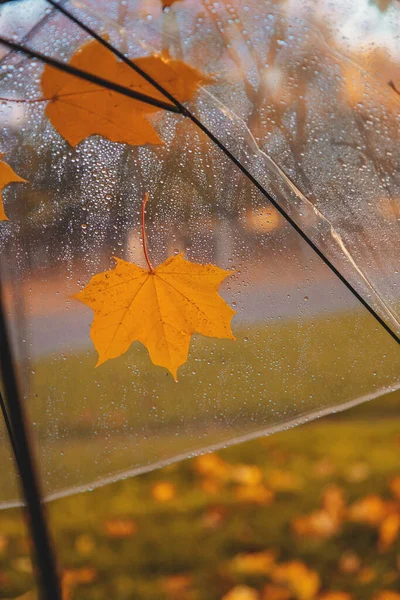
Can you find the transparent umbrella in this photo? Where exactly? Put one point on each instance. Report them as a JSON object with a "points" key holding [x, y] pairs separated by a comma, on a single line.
{"points": [[281, 169]]}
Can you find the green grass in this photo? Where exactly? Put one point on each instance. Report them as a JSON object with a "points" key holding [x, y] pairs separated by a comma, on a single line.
{"points": [[176, 537], [93, 423], [306, 364], [226, 389]]}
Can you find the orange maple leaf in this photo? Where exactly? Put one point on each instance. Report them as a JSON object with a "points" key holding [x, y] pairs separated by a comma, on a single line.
{"points": [[7, 175], [78, 109], [161, 307]]}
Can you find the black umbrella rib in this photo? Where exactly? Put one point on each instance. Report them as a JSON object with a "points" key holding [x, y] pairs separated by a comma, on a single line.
{"points": [[186, 112], [11, 437], [81, 74], [182, 109], [14, 415]]}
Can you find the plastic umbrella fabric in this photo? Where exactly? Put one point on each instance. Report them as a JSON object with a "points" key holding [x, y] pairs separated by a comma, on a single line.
{"points": [[313, 126]]}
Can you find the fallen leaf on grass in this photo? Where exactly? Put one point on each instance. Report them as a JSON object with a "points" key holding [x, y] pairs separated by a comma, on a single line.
{"points": [[335, 596], [333, 502], [210, 486], [84, 544], [358, 472], [395, 487], [371, 510], [7, 175], [253, 563], [31, 595], [3, 543], [253, 494], [275, 592], [120, 528], [388, 531], [284, 481], [387, 595], [367, 575], [246, 474], [75, 576], [318, 524], [163, 491], [4, 578], [390, 577], [78, 109], [242, 592], [326, 522], [211, 465], [303, 582], [161, 308], [349, 563], [71, 578], [324, 468], [214, 517], [176, 586]]}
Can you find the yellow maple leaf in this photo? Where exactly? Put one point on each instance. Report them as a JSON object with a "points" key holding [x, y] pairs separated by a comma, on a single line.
{"points": [[7, 175], [78, 109], [161, 307]]}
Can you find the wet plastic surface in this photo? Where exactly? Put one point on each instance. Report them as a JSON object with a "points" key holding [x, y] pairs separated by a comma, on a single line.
{"points": [[318, 132]]}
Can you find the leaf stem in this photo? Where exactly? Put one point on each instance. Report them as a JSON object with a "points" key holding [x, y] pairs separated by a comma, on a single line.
{"points": [[144, 239], [394, 88]]}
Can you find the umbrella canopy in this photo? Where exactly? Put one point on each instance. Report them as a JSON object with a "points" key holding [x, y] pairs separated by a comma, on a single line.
{"points": [[308, 226]]}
